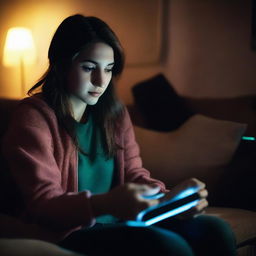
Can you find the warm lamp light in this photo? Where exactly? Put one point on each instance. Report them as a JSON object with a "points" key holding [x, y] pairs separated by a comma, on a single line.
{"points": [[19, 45], [19, 50]]}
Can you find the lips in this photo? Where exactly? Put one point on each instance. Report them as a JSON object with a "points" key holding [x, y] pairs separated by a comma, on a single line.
{"points": [[95, 94]]}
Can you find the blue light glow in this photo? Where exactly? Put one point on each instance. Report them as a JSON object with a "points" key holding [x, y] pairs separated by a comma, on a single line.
{"points": [[185, 193], [135, 223], [179, 196], [139, 223], [248, 138], [171, 213], [155, 196]]}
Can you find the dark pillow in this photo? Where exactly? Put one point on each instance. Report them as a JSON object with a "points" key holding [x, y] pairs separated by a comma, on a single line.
{"points": [[162, 108]]}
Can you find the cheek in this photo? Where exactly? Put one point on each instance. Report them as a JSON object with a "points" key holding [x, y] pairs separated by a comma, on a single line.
{"points": [[108, 80], [110, 77], [77, 81]]}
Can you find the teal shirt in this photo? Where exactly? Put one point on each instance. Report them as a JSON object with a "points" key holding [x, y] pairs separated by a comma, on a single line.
{"points": [[95, 171]]}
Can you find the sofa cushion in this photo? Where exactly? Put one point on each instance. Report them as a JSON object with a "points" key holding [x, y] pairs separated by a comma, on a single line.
{"points": [[160, 105], [201, 148], [201, 142], [242, 222], [240, 109]]}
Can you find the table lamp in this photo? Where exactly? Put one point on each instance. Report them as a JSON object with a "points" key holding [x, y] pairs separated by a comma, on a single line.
{"points": [[19, 50]]}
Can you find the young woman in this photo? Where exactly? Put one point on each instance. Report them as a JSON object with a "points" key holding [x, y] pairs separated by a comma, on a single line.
{"points": [[72, 154]]}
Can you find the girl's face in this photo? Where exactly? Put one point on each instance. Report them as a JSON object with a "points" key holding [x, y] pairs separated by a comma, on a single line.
{"points": [[91, 72]]}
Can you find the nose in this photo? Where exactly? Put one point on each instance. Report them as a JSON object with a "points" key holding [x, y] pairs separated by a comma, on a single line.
{"points": [[98, 78]]}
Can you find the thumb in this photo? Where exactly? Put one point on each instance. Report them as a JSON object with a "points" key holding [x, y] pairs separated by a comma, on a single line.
{"points": [[151, 191]]}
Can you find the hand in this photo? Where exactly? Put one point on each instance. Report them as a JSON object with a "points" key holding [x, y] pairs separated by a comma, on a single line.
{"points": [[202, 192], [124, 201]]}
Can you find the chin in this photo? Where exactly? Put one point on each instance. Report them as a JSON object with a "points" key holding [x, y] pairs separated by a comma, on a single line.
{"points": [[87, 100], [91, 101]]}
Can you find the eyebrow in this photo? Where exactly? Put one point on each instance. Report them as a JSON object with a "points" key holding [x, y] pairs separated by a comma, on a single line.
{"points": [[97, 62]]}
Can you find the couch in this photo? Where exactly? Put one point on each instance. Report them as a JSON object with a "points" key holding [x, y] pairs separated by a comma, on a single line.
{"points": [[182, 137], [161, 163]]}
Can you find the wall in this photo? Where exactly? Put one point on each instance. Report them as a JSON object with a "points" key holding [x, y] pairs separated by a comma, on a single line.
{"points": [[138, 24], [204, 50], [210, 48]]}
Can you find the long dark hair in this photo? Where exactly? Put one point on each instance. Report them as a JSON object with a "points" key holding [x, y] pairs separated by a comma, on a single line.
{"points": [[73, 34]]}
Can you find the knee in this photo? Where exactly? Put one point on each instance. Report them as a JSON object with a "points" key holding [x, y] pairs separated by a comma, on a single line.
{"points": [[165, 242], [216, 231], [214, 226]]}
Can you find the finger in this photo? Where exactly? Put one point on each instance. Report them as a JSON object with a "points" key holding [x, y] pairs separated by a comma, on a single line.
{"points": [[150, 201], [202, 204], [138, 188], [194, 211], [153, 202], [144, 189], [144, 204], [192, 183], [150, 191], [197, 183], [203, 193]]}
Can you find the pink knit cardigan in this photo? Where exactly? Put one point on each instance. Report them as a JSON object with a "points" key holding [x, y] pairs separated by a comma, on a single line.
{"points": [[43, 162]]}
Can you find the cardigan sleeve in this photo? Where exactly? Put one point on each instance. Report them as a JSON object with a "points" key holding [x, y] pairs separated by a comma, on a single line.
{"points": [[28, 151], [134, 171]]}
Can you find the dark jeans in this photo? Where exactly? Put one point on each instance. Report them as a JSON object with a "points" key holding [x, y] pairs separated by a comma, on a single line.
{"points": [[200, 236]]}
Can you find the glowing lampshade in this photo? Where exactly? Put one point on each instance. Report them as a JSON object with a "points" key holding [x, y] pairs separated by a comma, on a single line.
{"points": [[19, 47]]}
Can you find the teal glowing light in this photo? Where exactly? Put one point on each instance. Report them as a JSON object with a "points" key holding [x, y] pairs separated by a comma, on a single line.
{"points": [[155, 196], [163, 216], [185, 193], [248, 138], [181, 195], [171, 213]]}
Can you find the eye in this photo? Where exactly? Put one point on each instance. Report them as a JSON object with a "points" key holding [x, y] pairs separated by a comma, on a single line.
{"points": [[87, 69], [109, 70]]}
